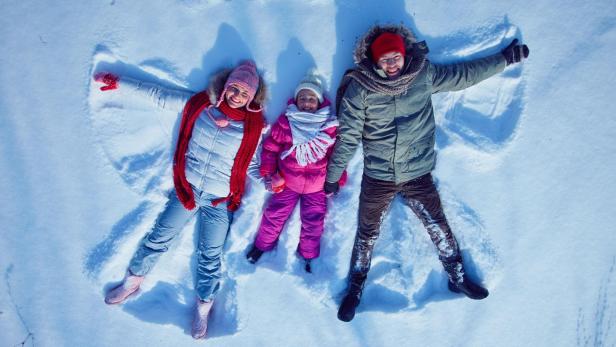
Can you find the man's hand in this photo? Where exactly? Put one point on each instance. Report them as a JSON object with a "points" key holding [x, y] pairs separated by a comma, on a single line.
{"points": [[331, 188], [515, 53], [110, 80]]}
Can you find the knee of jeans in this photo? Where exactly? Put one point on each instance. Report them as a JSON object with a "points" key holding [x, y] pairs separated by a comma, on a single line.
{"points": [[156, 244], [210, 253]]}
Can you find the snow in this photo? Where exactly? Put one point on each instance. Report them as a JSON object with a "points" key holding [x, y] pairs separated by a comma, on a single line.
{"points": [[525, 160]]}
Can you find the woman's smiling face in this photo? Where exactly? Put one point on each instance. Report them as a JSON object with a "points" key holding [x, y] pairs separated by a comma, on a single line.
{"points": [[236, 96]]}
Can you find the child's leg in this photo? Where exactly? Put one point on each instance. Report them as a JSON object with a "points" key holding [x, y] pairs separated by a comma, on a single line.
{"points": [[279, 208], [214, 224], [168, 224], [313, 207]]}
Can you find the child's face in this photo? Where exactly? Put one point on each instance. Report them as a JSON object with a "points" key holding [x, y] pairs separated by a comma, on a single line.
{"points": [[391, 63], [236, 96], [307, 101]]}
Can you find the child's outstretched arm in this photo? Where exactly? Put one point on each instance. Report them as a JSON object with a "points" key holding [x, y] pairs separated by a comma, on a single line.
{"points": [[169, 99]]}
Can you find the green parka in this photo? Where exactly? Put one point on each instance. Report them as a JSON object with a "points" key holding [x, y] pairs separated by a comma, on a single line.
{"points": [[398, 132]]}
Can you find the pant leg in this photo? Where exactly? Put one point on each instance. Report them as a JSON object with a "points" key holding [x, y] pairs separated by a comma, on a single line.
{"points": [[422, 197], [168, 225], [374, 200], [214, 225], [313, 207], [278, 210]]}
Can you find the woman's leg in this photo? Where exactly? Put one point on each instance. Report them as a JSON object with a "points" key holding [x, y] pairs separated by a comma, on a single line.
{"points": [[168, 225], [278, 210], [214, 224]]}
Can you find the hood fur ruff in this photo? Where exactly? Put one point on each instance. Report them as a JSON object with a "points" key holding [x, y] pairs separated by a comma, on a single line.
{"points": [[217, 84]]}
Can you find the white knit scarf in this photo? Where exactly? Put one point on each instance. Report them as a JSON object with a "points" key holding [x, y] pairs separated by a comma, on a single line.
{"points": [[310, 142]]}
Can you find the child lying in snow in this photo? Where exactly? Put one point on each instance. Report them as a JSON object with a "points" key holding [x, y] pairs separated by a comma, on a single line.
{"points": [[293, 164]]}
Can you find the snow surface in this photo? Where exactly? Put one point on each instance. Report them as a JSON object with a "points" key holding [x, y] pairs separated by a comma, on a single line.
{"points": [[524, 166]]}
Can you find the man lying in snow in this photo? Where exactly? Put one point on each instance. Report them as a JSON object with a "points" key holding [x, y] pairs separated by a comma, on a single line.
{"points": [[386, 102]]}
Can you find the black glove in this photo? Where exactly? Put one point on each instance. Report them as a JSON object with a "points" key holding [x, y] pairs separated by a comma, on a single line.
{"points": [[331, 188], [514, 53]]}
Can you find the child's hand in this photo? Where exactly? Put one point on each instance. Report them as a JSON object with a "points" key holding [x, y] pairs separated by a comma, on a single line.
{"points": [[267, 182], [274, 183], [110, 80], [278, 183]]}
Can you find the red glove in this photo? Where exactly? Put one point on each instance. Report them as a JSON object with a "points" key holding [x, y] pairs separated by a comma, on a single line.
{"points": [[110, 80]]}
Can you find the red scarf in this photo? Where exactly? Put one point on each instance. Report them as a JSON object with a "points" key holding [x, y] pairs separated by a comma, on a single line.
{"points": [[253, 125]]}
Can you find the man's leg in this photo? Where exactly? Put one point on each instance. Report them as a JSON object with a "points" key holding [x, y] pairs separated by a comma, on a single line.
{"points": [[422, 197], [374, 200]]}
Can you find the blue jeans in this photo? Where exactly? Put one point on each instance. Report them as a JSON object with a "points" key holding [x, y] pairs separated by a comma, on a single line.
{"points": [[213, 226]]}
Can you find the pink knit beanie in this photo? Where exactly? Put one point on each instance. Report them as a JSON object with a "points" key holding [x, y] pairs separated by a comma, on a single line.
{"points": [[246, 76]]}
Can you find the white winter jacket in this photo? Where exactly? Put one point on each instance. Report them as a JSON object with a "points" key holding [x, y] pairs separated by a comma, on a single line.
{"points": [[211, 150]]}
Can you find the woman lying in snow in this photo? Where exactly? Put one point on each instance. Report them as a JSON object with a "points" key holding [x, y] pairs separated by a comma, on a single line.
{"points": [[219, 133], [293, 163]]}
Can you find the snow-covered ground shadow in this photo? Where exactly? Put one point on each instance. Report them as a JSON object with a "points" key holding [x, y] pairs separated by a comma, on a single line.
{"points": [[598, 328], [291, 66], [174, 303], [121, 122], [484, 117], [103, 251], [165, 303], [228, 49]]}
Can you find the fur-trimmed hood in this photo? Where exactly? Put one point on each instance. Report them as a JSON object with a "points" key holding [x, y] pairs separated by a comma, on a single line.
{"points": [[217, 84], [362, 55]]}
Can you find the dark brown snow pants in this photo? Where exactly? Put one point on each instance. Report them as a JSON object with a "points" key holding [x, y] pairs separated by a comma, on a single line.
{"points": [[421, 196]]}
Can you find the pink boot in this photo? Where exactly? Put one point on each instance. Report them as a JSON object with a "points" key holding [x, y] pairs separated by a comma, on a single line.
{"points": [[199, 326], [129, 286]]}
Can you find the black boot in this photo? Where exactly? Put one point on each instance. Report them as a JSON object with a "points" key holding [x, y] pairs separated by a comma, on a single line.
{"points": [[308, 267], [346, 312], [254, 254], [459, 281], [468, 288]]}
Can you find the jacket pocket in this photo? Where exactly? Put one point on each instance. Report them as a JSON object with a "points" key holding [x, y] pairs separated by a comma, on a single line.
{"points": [[420, 156]]}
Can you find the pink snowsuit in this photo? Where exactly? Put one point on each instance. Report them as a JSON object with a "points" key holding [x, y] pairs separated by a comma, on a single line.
{"points": [[303, 183]]}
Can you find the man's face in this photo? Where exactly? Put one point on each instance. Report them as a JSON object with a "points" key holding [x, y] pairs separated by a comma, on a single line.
{"points": [[391, 63]]}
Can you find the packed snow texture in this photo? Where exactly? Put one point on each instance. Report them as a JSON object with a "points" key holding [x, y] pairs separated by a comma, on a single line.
{"points": [[523, 171]]}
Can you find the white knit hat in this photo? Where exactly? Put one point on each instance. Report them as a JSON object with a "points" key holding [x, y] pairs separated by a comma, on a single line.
{"points": [[312, 82]]}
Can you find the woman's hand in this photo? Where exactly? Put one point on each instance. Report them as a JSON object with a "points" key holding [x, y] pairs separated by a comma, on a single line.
{"points": [[110, 80]]}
